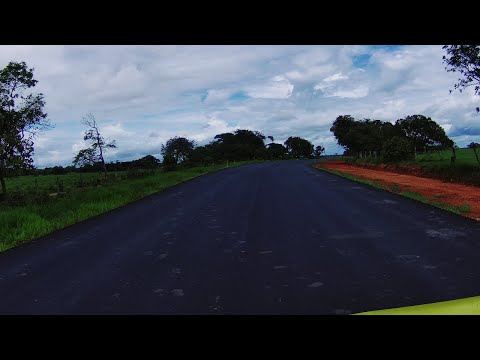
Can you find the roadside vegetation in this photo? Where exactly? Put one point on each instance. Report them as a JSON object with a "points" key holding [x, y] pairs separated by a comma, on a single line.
{"points": [[415, 143], [457, 209], [35, 202], [37, 208]]}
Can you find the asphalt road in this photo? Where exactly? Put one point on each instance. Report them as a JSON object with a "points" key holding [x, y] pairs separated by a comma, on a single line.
{"points": [[268, 238]]}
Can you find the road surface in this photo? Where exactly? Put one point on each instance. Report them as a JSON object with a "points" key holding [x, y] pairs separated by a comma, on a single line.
{"points": [[268, 238]]}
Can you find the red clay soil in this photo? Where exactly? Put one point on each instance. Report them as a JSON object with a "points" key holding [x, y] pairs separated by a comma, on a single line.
{"points": [[432, 189]]}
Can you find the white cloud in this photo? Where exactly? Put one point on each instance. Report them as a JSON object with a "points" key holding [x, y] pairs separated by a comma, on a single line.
{"points": [[143, 95], [335, 77], [279, 87]]}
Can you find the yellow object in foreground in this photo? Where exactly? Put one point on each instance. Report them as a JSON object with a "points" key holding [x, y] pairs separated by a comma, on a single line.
{"points": [[467, 306]]}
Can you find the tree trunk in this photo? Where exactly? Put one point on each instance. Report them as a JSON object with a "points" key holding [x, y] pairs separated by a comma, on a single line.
{"points": [[476, 155], [454, 155], [2, 181], [104, 169]]}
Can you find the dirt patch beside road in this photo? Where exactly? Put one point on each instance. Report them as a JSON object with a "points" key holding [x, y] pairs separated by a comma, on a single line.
{"points": [[452, 194]]}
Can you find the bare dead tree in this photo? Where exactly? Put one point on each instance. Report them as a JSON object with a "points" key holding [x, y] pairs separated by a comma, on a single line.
{"points": [[98, 145]]}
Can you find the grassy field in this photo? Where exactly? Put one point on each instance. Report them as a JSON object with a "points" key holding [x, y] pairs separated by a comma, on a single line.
{"points": [[438, 165], [51, 182], [442, 158], [35, 215]]}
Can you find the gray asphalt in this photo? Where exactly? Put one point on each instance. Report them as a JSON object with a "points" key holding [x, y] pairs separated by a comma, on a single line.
{"points": [[268, 238]]}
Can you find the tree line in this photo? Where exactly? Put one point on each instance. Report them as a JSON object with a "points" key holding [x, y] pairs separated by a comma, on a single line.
{"points": [[22, 118], [240, 145], [394, 142]]}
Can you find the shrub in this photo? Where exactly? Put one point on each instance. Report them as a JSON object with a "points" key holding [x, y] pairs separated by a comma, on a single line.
{"points": [[398, 149], [169, 163], [135, 173]]}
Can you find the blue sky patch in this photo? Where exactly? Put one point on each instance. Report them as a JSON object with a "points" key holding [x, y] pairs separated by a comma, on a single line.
{"points": [[361, 61], [239, 96]]}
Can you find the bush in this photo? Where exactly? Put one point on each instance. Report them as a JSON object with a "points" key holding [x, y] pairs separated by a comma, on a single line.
{"points": [[398, 149], [169, 163], [135, 173]]}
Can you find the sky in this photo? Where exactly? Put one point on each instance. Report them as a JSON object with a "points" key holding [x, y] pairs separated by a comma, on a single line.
{"points": [[143, 95]]}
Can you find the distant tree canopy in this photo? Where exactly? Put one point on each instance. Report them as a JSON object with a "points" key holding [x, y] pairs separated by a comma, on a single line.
{"points": [[298, 147], [464, 59], [276, 151], [21, 118], [340, 128], [147, 162], [179, 148], [319, 150], [367, 136], [424, 132], [178, 152], [398, 149], [239, 145]]}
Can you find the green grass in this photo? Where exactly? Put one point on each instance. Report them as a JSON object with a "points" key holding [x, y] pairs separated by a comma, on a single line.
{"points": [[47, 181], [461, 209], [442, 158], [437, 165], [19, 224]]}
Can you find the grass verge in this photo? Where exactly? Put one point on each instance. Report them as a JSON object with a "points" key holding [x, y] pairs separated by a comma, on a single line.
{"points": [[460, 209], [20, 224]]}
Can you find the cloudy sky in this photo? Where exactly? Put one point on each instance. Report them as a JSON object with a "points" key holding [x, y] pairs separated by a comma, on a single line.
{"points": [[143, 95]]}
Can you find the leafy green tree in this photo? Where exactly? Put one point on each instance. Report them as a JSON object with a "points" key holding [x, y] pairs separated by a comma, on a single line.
{"points": [[22, 118], [299, 147], [464, 59], [276, 151], [147, 162], [319, 150], [179, 147], [340, 128], [424, 132], [240, 145], [169, 162], [398, 149], [98, 145]]}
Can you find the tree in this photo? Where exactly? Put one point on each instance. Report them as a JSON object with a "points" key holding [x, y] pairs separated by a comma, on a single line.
{"points": [[276, 151], [21, 119], [169, 162], [85, 157], [319, 150], [179, 148], [299, 147], [424, 132], [340, 128], [398, 149], [474, 146], [98, 145], [466, 60], [147, 162], [240, 145]]}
